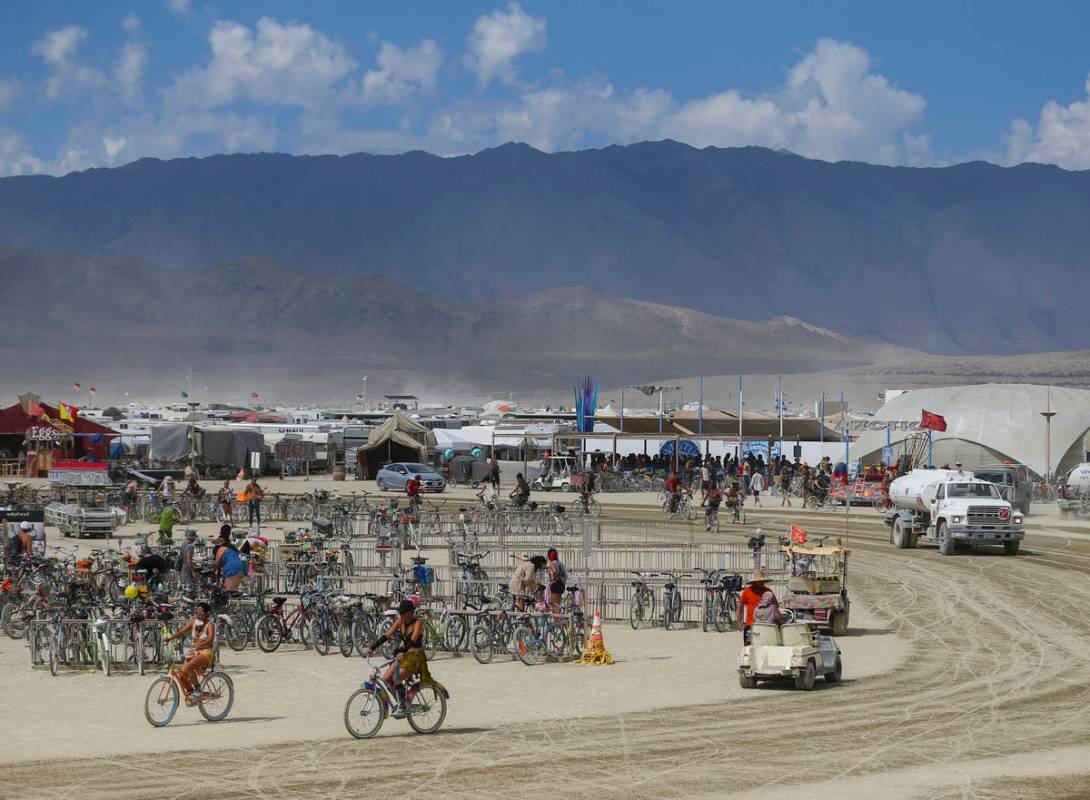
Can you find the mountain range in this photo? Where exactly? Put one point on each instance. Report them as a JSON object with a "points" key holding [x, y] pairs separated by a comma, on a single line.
{"points": [[960, 260]]}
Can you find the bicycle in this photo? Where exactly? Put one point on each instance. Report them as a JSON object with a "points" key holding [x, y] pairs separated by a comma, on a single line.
{"points": [[711, 519], [738, 511], [642, 605], [671, 600], [276, 627], [215, 694], [537, 636], [367, 707], [720, 600], [587, 505]]}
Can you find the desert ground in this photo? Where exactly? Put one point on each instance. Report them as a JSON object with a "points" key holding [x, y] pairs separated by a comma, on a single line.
{"points": [[965, 677]]}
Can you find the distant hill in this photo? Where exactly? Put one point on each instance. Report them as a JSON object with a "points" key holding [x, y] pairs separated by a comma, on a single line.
{"points": [[252, 322], [967, 259]]}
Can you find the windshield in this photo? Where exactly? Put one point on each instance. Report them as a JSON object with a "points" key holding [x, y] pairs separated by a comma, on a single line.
{"points": [[417, 468], [994, 477], [972, 490]]}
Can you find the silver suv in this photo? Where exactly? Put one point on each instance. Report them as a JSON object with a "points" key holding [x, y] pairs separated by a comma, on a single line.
{"points": [[1013, 480]]}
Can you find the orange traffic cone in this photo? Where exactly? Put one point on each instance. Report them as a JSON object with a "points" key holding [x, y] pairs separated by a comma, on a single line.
{"points": [[596, 653]]}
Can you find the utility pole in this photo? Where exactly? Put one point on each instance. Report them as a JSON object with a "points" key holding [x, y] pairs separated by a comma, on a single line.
{"points": [[1048, 414]]}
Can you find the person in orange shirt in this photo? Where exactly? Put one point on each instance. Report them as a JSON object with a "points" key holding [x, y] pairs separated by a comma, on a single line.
{"points": [[750, 598]]}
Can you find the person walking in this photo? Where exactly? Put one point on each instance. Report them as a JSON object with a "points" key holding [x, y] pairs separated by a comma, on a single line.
{"points": [[187, 571], [756, 486], [225, 497]]}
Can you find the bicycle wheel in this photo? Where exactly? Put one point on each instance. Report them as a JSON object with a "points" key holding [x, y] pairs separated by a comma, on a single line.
{"points": [[270, 633], [427, 708], [102, 645], [238, 633], [15, 620], [54, 654], [364, 713], [455, 631], [671, 609], [161, 701], [708, 615], [721, 614], [215, 696], [344, 637], [556, 642], [432, 642], [528, 647], [480, 642], [363, 633], [321, 636]]}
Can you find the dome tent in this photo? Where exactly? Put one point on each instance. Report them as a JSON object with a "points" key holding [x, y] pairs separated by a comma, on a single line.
{"points": [[987, 423], [397, 439]]}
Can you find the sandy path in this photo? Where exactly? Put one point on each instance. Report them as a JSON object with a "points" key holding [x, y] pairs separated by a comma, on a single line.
{"points": [[989, 701]]}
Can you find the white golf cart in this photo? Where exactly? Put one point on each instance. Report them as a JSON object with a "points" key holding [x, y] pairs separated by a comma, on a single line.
{"points": [[556, 473], [789, 651]]}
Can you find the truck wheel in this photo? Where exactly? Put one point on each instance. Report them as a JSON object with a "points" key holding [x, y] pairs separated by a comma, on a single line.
{"points": [[747, 681], [900, 535], [946, 541], [1025, 508], [805, 679], [840, 623], [1011, 548], [837, 673]]}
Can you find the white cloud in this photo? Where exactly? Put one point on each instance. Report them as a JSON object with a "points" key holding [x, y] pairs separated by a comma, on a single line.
{"points": [[113, 146], [178, 6], [58, 46], [497, 39], [15, 158], [131, 24], [831, 106], [128, 72], [1061, 136], [400, 73], [277, 64]]}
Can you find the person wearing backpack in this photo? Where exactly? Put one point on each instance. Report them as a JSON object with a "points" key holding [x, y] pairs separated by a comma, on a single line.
{"points": [[558, 577]]}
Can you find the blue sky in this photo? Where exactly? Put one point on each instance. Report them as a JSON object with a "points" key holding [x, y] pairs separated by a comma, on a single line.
{"points": [[100, 84]]}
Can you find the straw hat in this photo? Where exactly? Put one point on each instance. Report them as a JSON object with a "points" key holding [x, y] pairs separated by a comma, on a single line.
{"points": [[758, 576]]}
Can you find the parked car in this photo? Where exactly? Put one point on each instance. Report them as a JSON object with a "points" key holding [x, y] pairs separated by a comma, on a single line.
{"points": [[1013, 481], [393, 477]]}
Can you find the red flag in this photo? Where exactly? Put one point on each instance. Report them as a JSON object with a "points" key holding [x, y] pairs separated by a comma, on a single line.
{"points": [[35, 410], [253, 395], [92, 390], [76, 386], [932, 422], [798, 534]]}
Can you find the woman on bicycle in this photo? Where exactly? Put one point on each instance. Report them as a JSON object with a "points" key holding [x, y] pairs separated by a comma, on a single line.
{"points": [[712, 498], [202, 656], [229, 566], [409, 656]]}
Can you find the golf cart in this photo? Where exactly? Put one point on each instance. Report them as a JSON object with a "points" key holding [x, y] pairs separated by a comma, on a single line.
{"points": [[556, 473], [817, 589], [789, 651]]}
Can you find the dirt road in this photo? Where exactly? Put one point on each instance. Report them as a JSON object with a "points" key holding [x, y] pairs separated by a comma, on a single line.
{"points": [[992, 701]]}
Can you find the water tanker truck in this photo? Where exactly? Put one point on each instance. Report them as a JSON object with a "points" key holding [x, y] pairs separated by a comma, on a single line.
{"points": [[951, 508]]}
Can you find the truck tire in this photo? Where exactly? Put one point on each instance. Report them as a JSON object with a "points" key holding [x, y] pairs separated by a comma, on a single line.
{"points": [[946, 541], [804, 681], [900, 535], [747, 681], [1011, 548], [837, 673], [839, 623]]}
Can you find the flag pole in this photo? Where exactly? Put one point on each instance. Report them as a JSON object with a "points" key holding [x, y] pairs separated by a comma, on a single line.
{"points": [[622, 410], [700, 411], [844, 427], [739, 417], [821, 414], [779, 403]]}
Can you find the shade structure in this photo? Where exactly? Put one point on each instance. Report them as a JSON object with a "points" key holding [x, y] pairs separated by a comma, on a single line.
{"points": [[988, 423]]}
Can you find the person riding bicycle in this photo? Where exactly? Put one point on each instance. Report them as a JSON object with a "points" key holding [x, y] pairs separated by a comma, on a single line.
{"points": [[712, 498], [521, 493], [487, 494], [821, 488], [412, 489], [193, 486], [673, 487], [735, 495], [409, 656], [202, 655], [586, 491]]}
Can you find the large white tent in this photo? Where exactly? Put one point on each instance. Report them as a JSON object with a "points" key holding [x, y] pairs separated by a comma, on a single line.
{"points": [[988, 423]]}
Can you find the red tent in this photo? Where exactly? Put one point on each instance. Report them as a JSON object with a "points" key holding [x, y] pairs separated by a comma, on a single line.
{"points": [[44, 430]]}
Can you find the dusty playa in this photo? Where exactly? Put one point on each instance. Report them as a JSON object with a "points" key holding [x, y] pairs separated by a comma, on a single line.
{"points": [[962, 679]]}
